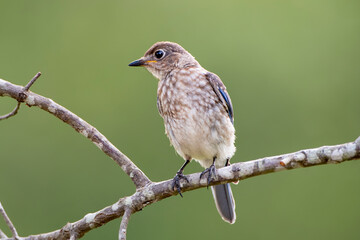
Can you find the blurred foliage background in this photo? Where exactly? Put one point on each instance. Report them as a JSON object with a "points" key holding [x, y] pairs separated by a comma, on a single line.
{"points": [[292, 69]]}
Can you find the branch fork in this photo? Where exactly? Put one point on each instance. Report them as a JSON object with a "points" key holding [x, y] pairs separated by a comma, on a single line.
{"points": [[21, 97]]}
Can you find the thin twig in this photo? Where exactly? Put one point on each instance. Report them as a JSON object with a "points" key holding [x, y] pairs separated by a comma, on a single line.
{"points": [[8, 222], [124, 223], [12, 113], [32, 81], [2, 234]]}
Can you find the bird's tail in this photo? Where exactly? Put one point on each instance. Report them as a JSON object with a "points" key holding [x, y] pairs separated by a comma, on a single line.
{"points": [[224, 201]]}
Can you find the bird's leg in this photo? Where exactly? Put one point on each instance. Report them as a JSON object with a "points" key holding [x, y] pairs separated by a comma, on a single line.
{"points": [[211, 172], [179, 175], [228, 164]]}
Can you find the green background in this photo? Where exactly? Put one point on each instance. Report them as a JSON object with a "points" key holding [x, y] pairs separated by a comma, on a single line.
{"points": [[292, 69]]}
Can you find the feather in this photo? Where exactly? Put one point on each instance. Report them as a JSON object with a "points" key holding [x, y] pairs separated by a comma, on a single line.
{"points": [[220, 90]]}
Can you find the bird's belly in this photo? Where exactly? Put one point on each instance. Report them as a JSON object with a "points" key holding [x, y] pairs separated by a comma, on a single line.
{"points": [[202, 138]]}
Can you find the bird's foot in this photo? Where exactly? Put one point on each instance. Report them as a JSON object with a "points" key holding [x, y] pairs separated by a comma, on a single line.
{"points": [[211, 171], [176, 182]]}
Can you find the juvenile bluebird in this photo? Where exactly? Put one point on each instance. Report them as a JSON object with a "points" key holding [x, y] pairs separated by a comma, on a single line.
{"points": [[197, 113]]}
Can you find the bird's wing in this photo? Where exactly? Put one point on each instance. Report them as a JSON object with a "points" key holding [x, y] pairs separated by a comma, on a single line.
{"points": [[220, 90]]}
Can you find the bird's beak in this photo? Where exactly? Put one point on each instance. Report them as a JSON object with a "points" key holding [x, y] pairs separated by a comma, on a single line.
{"points": [[136, 63], [141, 62]]}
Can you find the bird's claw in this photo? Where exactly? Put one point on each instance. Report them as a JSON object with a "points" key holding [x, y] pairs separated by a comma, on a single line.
{"points": [[176, 182], [211, 171]]}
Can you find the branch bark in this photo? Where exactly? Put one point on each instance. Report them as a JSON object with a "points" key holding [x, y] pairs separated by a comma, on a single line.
{"points": [[124, 223], [2, 235], [148, 192], [8, 222]]}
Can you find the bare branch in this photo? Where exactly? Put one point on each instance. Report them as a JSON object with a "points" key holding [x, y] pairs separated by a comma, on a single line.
{"points": [[150, 192], [8, 222], [155, 192], [81, 126], [124, 223]]}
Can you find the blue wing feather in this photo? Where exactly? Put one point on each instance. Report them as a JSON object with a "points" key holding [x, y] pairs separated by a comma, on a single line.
{"points": [[228, 103], [220, 90]]}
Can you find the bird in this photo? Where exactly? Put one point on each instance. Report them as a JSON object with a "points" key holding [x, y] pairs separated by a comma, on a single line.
{"points": [[198, 116]]}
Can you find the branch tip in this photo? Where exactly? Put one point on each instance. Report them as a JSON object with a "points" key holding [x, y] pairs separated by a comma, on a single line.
{"points": [[32, 81]]}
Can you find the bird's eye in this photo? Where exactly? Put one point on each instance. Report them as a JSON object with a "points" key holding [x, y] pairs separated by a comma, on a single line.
{"points": [[159, 54]]}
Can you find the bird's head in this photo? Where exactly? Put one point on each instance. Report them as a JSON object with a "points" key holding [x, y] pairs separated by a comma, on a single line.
{"points": [[163, 57]]}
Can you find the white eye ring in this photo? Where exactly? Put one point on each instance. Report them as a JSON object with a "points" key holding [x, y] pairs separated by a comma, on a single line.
{"points": [[159, 54]]}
